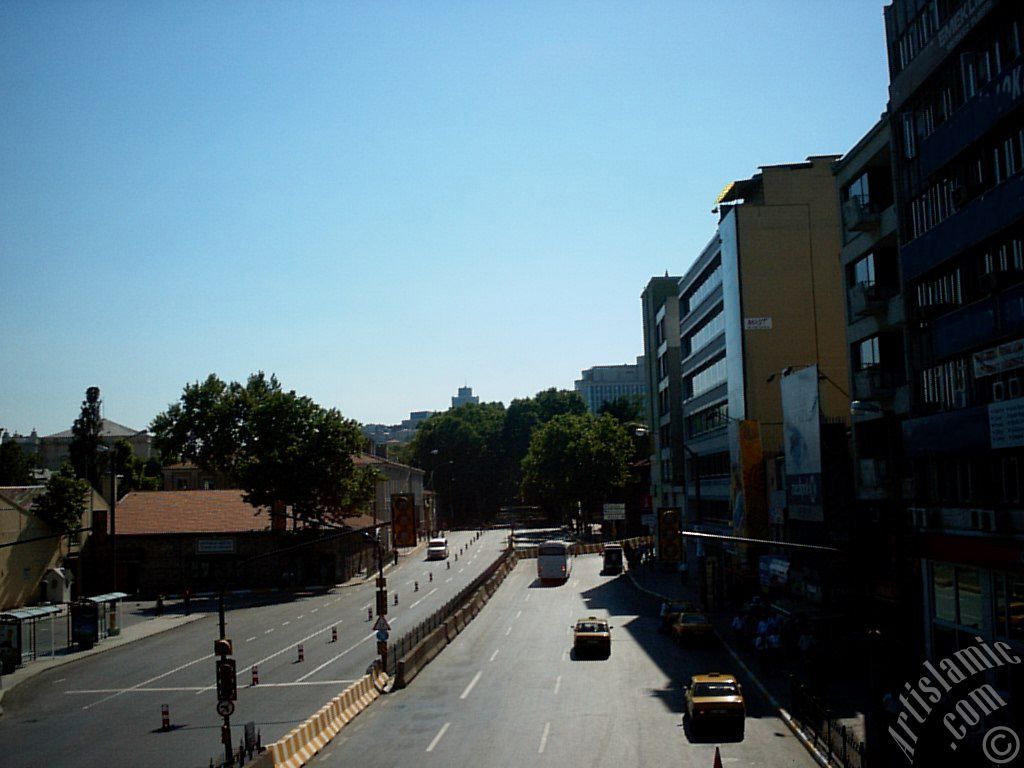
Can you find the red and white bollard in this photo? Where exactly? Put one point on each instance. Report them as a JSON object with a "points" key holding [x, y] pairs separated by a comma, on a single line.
{"points": [[302, 654], [431, 575], [255, 675], [334, 634], [369, 614], [165, 717], [415, 586], [396, 598]]}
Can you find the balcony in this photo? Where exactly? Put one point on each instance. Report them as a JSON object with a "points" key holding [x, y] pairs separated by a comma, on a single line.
{"points": [[991, 104], [859, 216], [866, 300], [983, 216], [873, 383]]}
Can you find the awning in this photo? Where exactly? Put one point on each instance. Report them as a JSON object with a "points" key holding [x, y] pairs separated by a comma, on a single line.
{"points": [[107, 598], [30, 613]]}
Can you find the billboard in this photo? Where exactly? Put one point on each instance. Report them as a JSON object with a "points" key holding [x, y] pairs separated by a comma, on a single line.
{"points": [[801, 426], [403, 519]]}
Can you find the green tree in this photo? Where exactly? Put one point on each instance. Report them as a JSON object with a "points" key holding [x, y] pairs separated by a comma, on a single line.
{"points": [[64, 502], [624, 409], [15, 468], [85, 438], [135, 474], [462, 453], [278, 446], [576, 460], [524, 416]]}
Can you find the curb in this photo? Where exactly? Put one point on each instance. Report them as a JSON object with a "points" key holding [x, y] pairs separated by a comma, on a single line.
{"points": [[820, 757]]}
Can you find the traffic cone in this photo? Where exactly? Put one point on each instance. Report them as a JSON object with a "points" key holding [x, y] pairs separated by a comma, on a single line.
{"points": [[255, 675], [302, 655], [718, 759], [334, 634]]}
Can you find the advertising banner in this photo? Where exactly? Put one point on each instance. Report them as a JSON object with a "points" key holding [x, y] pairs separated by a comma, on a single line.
{"points": [[753, 520], [801, 426], [403, 519]]}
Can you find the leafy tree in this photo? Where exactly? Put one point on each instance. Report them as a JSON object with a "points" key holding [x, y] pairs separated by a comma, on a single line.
{"points": [[135, 474], [524, 416], [576, 459], [64, 502], [15, 467], [462, 453], [278, 446], [85, 438], [624, 409]]}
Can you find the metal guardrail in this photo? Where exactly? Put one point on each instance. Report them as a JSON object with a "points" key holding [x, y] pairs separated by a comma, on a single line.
{"points": [[829, 734], [408, 641]]}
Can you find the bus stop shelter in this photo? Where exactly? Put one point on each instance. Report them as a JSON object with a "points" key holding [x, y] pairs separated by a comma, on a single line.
{"points": [[20, 635], [94, 618]]}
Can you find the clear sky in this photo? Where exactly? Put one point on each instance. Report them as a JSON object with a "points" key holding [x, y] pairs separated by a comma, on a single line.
{"points": [[381, 201]]}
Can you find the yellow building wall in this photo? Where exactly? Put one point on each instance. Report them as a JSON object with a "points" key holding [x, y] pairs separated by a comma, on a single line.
{"points": [[790, 272]]}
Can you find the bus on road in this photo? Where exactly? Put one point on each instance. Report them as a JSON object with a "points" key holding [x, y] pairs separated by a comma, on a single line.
{"points": [[553, 561]]}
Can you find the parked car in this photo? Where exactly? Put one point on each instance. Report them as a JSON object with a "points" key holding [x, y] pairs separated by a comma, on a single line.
{"points": [[692, 627]]}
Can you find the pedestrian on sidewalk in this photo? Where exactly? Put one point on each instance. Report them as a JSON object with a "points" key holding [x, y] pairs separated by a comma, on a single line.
{"points": [[187, 595], [159, 610]]}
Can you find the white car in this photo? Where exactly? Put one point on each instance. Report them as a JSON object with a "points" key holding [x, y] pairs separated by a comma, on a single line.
{"points": [[437, 549]]}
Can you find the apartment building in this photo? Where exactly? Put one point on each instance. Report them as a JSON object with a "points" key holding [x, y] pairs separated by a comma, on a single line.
{"points": [[957, 116]]}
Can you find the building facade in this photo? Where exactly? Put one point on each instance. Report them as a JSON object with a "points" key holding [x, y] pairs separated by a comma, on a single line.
{"points": [[605, 383], [465, 397], [957, 117]]}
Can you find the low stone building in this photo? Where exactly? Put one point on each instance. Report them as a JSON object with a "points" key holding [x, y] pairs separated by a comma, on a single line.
{"points": [[168, 541]]}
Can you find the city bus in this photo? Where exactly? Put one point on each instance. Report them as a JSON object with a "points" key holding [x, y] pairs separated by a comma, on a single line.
{"points": [[553, 561]]}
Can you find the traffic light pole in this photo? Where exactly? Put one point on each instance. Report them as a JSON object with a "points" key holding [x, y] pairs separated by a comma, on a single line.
{"points": [[382, 601], [224, 647]]}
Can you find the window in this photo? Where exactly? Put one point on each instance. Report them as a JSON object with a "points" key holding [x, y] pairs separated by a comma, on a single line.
{"points": [[704, 288], [943, 592], [968, 593], [708, 377], [859, 190], [867, 353], [707, 420], [864, 271], [705, 333]]}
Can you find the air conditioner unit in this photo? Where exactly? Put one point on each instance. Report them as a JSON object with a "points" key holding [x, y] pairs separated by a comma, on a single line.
{"points": [[998, 391], [1014, 387]]}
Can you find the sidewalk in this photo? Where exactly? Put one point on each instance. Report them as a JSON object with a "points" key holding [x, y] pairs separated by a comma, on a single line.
{"points": [[844, 692]]}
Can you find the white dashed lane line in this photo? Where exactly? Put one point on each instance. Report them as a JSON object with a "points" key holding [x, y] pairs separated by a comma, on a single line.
{"points": [[544, 738], [437, 738], [558, 684], [494, 654], [472, 684]]}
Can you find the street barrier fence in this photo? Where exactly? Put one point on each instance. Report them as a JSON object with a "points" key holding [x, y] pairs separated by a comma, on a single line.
{"points": [[829, 734]]}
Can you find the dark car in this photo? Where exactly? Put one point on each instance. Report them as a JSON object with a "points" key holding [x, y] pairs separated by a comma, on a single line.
{"points": [[592, 635]]}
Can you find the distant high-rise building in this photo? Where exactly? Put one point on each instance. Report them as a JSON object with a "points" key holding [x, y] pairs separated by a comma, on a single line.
{"points": [[605, 383], [464, 397]]}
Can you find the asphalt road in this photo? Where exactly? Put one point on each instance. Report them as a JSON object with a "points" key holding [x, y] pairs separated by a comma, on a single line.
{"points": [[509, 692], [105, 710]]}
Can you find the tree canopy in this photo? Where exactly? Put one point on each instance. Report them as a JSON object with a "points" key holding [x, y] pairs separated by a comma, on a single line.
{"points": [[64, 502], [576, 459], [15, 467], [85, 438], [277, 445]]}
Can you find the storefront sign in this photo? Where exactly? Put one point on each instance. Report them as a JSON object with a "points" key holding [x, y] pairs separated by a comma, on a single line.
{"points": [[757, 323], [802, 433], [1005, 357], [215, 546], [1006, 423], [614, 511]]}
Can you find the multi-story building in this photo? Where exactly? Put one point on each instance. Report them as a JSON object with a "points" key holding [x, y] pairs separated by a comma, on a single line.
{"points": [[660, 302], [957, 115], [763, 297], [605, 383], [53, 450], [465, 397], [875, 320]]}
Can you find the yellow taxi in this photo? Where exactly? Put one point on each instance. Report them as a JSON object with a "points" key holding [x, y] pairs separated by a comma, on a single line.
{"points": [[592, 635], [715, 698], [692, 627]]}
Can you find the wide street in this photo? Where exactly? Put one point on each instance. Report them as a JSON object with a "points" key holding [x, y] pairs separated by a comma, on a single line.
{"points": [[509, 692], [105, 710]]}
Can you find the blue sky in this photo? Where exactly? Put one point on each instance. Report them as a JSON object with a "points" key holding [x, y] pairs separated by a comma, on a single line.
{"points": [[381, 201]]}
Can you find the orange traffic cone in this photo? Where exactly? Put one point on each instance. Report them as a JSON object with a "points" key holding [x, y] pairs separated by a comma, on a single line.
{"points": [[718, 759]]}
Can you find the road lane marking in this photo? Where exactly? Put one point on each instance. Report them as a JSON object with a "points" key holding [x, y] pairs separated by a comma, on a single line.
{"points": [[461, 570], [302, 616], [431, 591], [285, 623], [494, 654], [519, 614], [180, 688], [269, 631], [335, 658], [472, 684], [449, 579], [250, 639], [544, 738], [527, 599], [558, 684], [508, 631], [151, 680], [437, 738], [416, 603], [313, 611]]}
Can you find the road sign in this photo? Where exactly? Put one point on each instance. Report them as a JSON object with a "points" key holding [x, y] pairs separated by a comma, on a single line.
{"points": [[225, 708], [382, 635], [614, 512], [382, 625]]}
